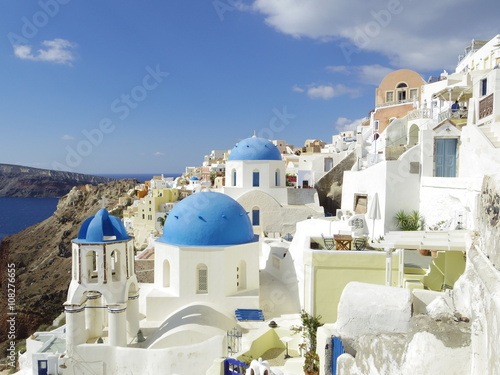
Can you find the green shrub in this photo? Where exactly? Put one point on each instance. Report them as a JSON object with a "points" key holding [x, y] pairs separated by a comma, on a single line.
{"points": [[411, 221]]}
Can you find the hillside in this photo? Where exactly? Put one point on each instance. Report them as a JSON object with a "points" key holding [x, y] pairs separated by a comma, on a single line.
{"points": [[27, 182], [42, 255]]}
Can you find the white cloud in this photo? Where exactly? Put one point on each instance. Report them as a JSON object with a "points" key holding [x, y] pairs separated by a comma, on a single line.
{"points": [[67, 137], [330, 91], [412, 34], [58, 51], [296, 88], [367, 74], [321, 92], [344, 124], [158, 153]]}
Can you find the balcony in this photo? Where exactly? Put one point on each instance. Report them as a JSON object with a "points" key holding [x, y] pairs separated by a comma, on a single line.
{"points": [[458, 115], [396, 102], [420, 114], [486, 106]]}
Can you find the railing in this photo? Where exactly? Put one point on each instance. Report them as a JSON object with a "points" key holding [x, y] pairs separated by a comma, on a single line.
{"points": [[396, 102], [420, 113], [486, 106], [453, 114], [233, 341]]}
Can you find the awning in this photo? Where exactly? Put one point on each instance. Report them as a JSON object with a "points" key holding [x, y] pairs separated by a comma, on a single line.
{"points": [[452, 93], [455, 240]]}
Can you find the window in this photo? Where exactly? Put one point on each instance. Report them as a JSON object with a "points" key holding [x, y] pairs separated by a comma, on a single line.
{"points": [[256, 178], [401, 91], [166, 273], [413, 94], [484, 87], [115, 265], [389, 96], [92, 269], [255, 216], [234, 177], [277, 178], [202, 282], [241, 275], [360, 203], [328, 164]]}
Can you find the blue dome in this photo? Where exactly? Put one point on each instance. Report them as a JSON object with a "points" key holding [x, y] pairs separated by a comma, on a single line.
{"points": [[207, 219], [194, 178], [255, 148], [102, 228]]}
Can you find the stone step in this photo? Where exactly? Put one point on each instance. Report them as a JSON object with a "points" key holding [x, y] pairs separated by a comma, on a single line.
{"points": [[492, 137]]}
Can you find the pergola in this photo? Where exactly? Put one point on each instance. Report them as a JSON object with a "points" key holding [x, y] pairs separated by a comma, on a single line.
{"points": [[453, 240], [452, 93]]}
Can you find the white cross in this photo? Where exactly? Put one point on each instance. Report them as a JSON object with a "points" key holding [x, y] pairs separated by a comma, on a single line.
{"points": [[103, 202]]}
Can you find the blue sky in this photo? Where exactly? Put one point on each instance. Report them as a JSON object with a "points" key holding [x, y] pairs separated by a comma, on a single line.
{"points": [[152, 86]]}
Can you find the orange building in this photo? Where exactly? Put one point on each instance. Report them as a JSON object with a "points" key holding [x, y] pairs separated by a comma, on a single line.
{"points": [[398, 93]]}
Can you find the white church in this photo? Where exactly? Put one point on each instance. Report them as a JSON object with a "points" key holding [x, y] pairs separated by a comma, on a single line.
{"points": [[206, 266], [256, 178]]}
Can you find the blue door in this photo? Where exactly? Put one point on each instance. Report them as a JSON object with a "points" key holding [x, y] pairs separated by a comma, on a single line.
{"points": [[42, 367], [337, 350], [446, 157]]}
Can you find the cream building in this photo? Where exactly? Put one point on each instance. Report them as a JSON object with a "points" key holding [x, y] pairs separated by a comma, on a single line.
{"points": [[255, 177]]}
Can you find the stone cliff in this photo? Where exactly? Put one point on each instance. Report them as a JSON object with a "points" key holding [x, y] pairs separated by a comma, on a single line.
{"points": [[41, 255], [19, 181]]}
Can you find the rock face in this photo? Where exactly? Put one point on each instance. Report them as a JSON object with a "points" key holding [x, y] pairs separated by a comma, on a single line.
{"points": [[27, 182], [41, 255], [329, 187]]}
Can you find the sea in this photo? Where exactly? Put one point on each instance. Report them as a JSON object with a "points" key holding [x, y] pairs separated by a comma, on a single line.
{"points": [[17, 214]]}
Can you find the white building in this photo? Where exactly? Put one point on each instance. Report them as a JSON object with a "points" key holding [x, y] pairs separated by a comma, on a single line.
{"points": [[255, 177], [206, 267]]}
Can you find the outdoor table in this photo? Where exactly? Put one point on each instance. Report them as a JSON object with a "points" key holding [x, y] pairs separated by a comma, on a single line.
{"points": [[342, 241]]}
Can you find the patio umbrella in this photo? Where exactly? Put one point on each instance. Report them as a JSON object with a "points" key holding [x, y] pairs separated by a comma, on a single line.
{"points": [[374, 212]]}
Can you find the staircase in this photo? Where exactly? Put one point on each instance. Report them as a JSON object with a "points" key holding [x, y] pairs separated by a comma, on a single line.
{"points": [[491, 135], [245, 315]]}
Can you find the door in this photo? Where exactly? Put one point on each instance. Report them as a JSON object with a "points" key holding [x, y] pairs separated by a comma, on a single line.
{"points": [[337, 351], [42, 367], [446, 157]]}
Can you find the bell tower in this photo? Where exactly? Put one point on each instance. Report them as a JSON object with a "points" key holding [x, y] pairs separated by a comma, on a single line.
{"points": [[103, 291]]}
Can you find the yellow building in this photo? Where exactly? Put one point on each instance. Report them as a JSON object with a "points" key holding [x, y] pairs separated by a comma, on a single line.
{"points": [[153, 207]]}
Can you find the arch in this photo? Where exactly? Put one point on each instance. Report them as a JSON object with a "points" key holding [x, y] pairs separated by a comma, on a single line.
{"points": [[277, 177], [255, 178], [241, 275], [91, 266], [201, 279], [166, 273], [401, 91], [413, 135], [115, 265]]}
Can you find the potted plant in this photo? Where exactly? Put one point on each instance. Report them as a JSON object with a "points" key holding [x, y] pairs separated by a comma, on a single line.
{"points": [[310, 325], [311, 363]]}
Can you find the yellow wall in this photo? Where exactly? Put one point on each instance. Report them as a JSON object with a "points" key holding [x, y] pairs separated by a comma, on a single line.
{"points": [[335, 269], [268, 340]]}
